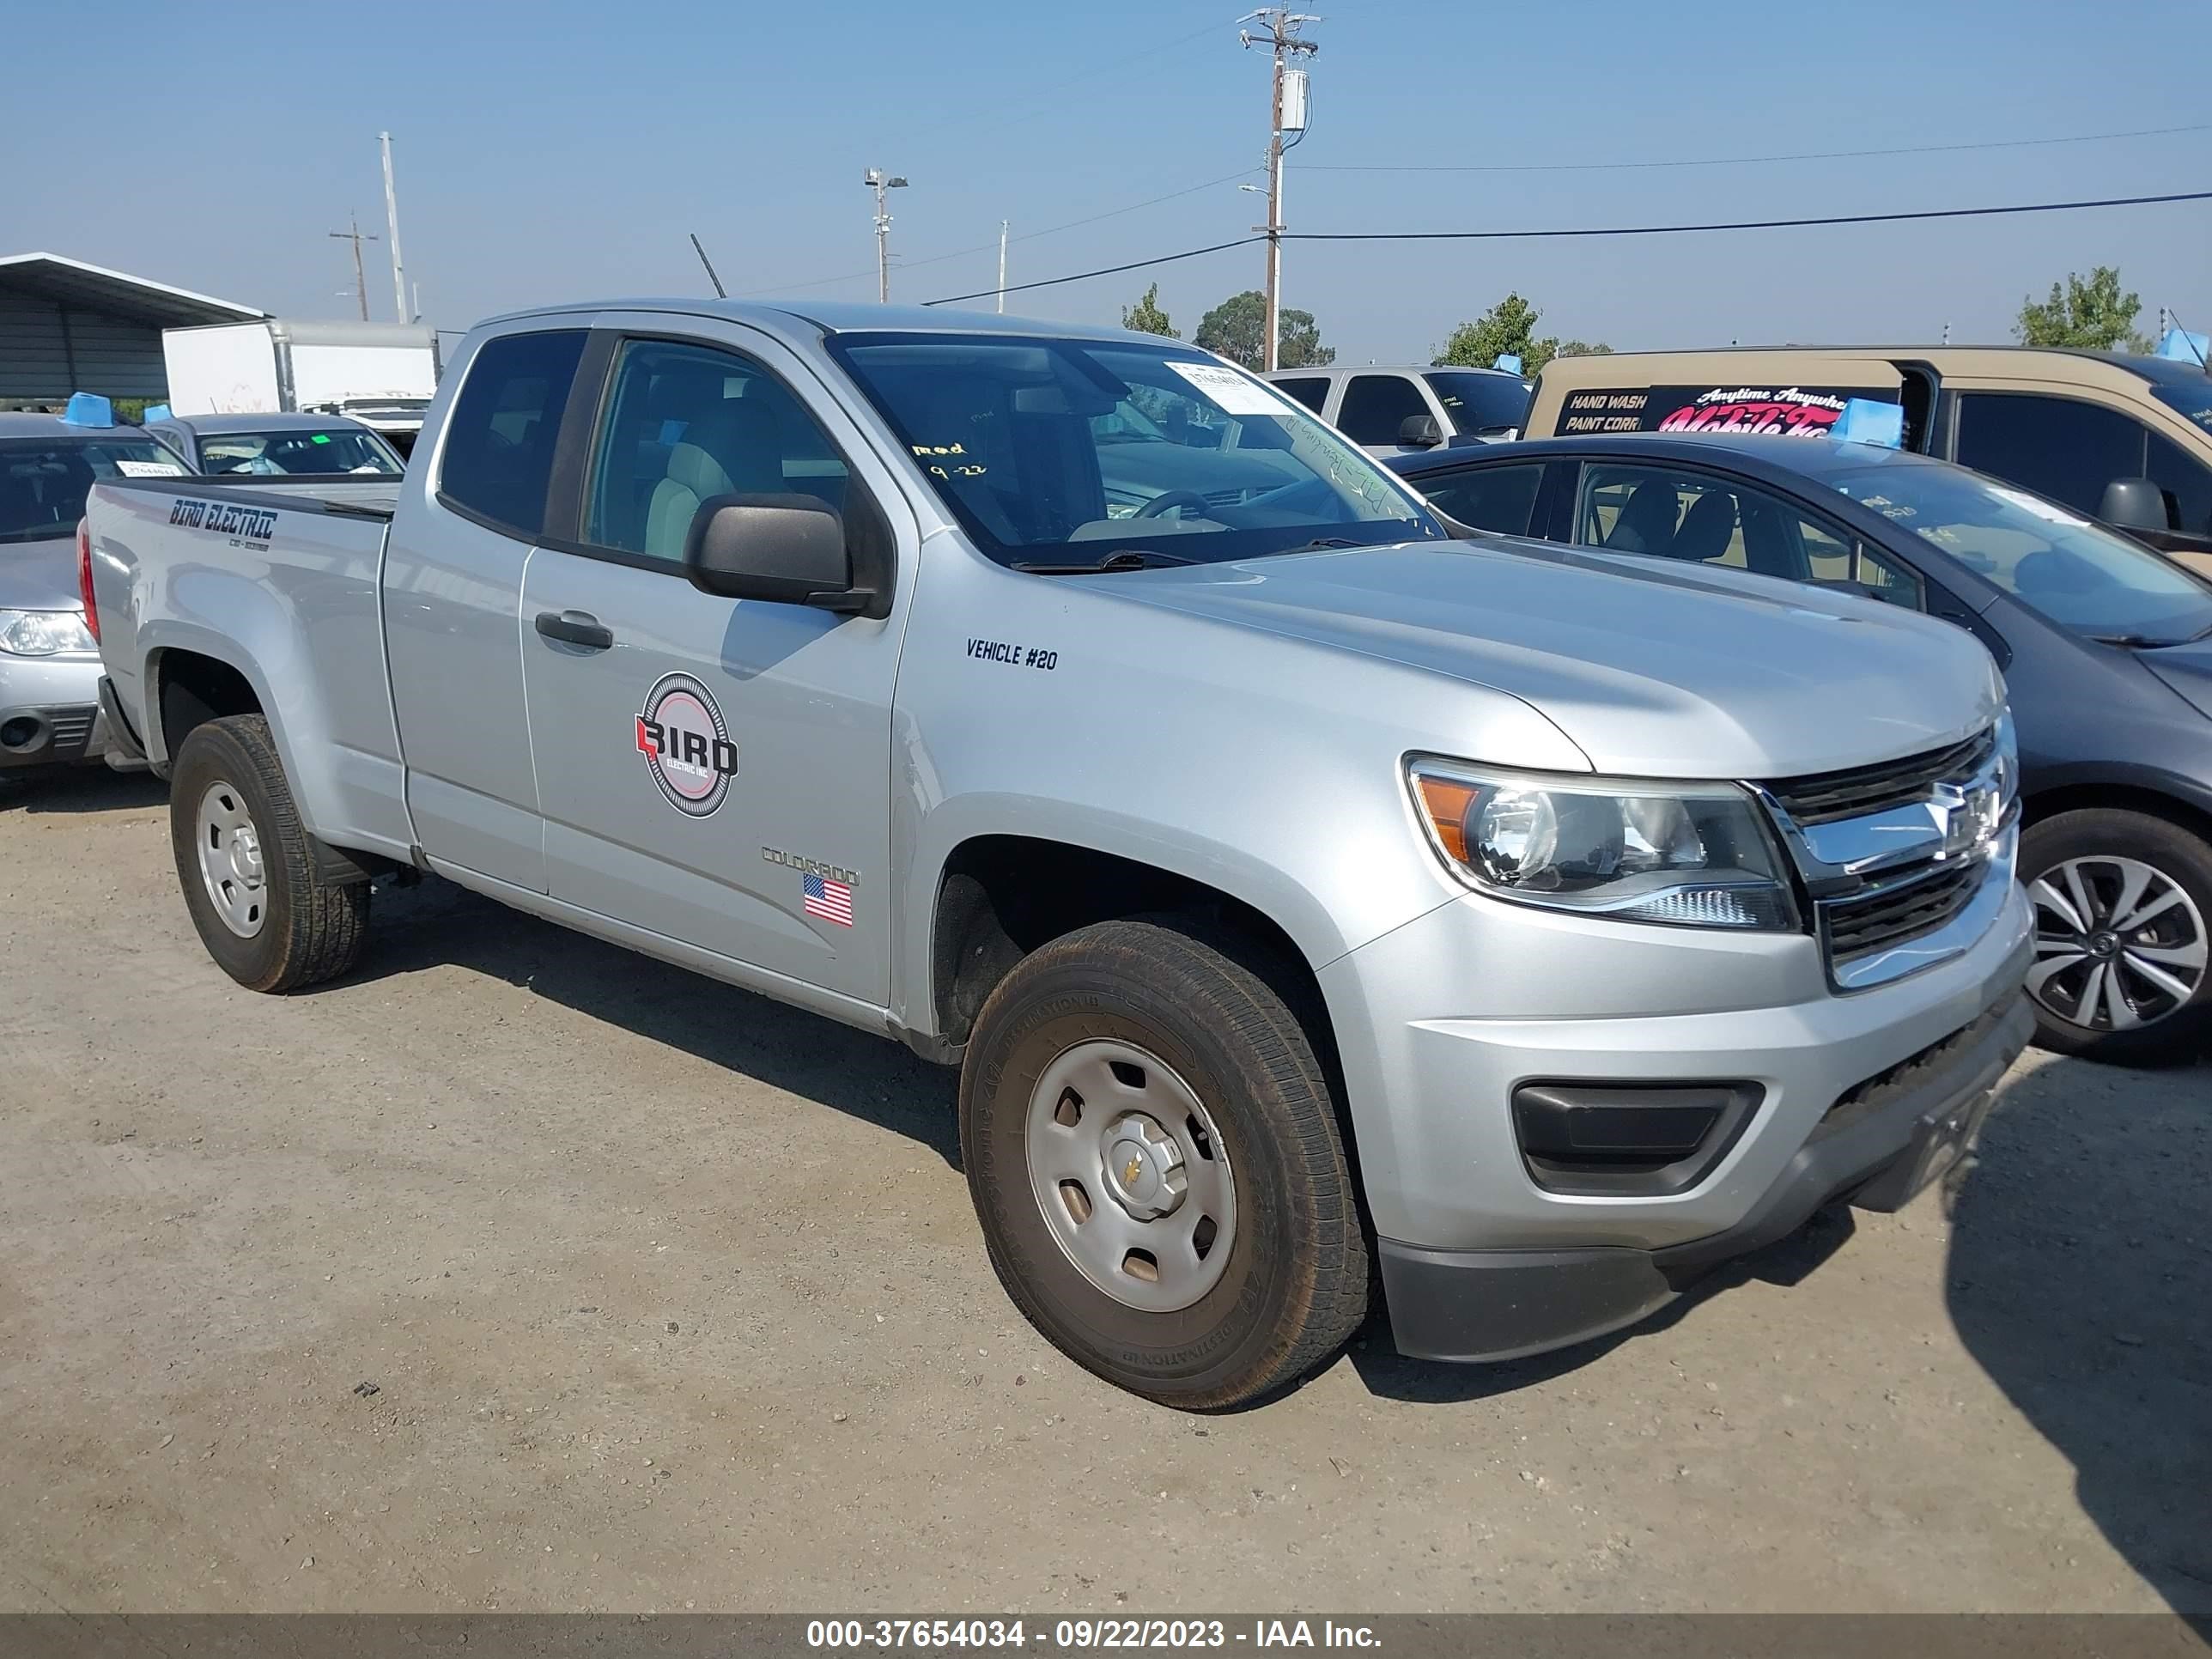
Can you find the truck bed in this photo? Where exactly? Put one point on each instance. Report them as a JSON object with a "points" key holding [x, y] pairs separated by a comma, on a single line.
{"points": [[276, 579]]}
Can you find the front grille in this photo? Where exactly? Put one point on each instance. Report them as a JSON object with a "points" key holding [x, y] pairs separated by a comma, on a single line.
{"points": [[1903, 910], [1826, 797]]}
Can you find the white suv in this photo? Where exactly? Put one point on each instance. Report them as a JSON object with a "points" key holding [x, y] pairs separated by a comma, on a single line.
{"points": [[1402, 411]]}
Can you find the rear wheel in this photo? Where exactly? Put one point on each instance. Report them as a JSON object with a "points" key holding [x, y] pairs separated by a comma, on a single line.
{"points": [[2122, 901], [247, 867], [1153, 1153]]}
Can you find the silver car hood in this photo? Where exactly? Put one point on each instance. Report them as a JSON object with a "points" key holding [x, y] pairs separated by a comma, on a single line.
{"points": [[40, 576], [1649, 668]]}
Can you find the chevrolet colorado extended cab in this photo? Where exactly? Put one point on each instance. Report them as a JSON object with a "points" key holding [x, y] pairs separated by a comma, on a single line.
{"points": [[1296, 887]]}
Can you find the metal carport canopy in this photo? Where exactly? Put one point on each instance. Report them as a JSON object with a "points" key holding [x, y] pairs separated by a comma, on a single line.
{"points": [[68, 325]]}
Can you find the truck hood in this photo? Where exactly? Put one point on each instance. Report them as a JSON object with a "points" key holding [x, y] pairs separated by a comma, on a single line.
{"points": [[1650, 668], [40, 576]]}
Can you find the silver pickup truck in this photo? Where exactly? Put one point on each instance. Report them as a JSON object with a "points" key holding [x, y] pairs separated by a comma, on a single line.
{"points": [[1301, 890]]}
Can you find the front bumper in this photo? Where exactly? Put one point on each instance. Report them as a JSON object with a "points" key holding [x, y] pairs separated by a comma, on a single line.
{"points": [[1440, 1021], [50, 711], [1880, 1147]]}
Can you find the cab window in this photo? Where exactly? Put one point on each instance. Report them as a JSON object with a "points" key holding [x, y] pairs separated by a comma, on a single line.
{"points": [[498, 451], [1311, 390], [689, 423], [1499, 498], [2186, 485], [1376, 406]]}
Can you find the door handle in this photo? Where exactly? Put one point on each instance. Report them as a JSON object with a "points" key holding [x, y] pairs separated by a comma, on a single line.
{"points": [[577, 628]]}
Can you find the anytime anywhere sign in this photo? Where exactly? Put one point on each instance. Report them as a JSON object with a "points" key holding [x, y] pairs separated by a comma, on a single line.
{"points": [[1786, 411]]}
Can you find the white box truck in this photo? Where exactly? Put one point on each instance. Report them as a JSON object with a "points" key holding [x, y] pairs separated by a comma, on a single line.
{"points": [[382, 374]]}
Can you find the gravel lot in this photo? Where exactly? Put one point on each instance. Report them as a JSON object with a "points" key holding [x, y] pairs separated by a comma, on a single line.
{"points": [[519, 1273]]}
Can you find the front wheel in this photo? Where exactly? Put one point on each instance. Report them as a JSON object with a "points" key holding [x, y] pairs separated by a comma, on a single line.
{"points": [[2121, 900], [1154, 1154], [266, 914]]}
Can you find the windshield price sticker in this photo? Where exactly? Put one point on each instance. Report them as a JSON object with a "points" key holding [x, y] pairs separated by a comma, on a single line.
{"points": [[149, 469], [1231, 392]]}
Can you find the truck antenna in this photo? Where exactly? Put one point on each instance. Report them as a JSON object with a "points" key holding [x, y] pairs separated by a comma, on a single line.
{"points": [[721, 293]]}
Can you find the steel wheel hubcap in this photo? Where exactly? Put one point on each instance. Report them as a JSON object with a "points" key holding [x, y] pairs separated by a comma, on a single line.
{"points": [[1131, 1175], [230, 861], [2118, 944]]}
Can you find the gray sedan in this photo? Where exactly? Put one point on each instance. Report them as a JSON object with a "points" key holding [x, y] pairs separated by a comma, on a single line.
{"points": [[49, 661], [271, 445]]}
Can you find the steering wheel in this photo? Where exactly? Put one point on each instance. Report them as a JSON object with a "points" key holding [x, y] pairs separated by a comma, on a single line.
{"points": [[1184, 499]]}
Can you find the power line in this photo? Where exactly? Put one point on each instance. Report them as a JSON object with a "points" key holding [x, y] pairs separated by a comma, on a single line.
{"points": [[1747, 161], [1609, 230], [1027, 236], [1106, 270]]}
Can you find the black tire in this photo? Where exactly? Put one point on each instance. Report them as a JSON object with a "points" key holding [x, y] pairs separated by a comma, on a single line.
{"points": [[1294, 1285], [2175, 1031], [312, 929]]}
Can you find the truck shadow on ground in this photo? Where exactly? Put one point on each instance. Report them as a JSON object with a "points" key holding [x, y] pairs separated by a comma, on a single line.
{"points": [[2079, 1279], [805, 1054], [79, 789]]}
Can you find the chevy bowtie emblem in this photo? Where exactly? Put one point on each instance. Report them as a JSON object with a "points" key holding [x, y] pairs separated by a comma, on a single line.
{"points": [[1130, 1171]]}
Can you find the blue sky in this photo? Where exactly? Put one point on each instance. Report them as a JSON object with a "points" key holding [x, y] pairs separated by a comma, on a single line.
{"points": [[561, 151]]}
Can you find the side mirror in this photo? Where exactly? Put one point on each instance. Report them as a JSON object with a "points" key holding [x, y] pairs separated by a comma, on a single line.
{"points": [[1420, 432], [787, 549], [2134, 504]]}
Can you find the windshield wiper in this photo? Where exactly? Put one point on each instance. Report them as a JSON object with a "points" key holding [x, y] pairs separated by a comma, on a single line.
{"points": [[1129, 558], [2137, 641]]}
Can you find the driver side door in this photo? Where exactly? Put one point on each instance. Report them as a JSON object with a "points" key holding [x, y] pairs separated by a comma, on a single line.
{"points": [[715, 771]]}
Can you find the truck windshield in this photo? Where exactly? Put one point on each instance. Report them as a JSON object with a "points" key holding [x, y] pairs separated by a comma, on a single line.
{"points": [[44, 481], [2087, 579], [276, 454], [1039, 442], [1481, 402]]}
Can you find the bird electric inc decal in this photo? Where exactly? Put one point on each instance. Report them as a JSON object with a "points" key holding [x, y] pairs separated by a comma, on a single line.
{"points": [[686, 745]]}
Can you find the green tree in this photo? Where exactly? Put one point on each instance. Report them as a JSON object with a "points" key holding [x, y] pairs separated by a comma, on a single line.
{"points": [[1147, 317], [2095, 315], [1237, 329], [1508, 329]]}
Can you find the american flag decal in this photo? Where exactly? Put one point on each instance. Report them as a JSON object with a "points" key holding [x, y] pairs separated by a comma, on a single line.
{"points": [[832, 901]]}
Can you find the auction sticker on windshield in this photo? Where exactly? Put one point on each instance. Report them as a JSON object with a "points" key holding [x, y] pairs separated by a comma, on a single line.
{"points": [[1231, 392]]}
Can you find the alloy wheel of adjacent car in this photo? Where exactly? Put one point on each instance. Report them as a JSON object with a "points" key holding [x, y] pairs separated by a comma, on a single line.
{"points": [[2117, 944], [2122, 958]]}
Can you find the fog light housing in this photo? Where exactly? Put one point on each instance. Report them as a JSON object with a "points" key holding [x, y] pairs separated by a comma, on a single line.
{"points": [[1626, 1140]]}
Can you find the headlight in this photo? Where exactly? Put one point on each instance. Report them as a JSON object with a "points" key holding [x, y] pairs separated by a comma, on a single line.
{"points": [[43, 633], [1690, 855], [2007, 761]]}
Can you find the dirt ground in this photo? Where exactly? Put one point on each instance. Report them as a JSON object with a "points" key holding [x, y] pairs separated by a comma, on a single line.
{"points": [[519, 1273]]}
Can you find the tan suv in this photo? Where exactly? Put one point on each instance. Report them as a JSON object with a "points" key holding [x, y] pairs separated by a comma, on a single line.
{"points": [[2125, 440]]}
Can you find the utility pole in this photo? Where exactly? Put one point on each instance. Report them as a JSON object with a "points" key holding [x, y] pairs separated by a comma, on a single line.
{"points": [[392, 227], [1002, 265], [359, 276], [880, 181], [1282, 27]]}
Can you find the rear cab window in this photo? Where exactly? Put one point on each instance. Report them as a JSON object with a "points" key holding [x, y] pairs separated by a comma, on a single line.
{"points": [[496, 459]]}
